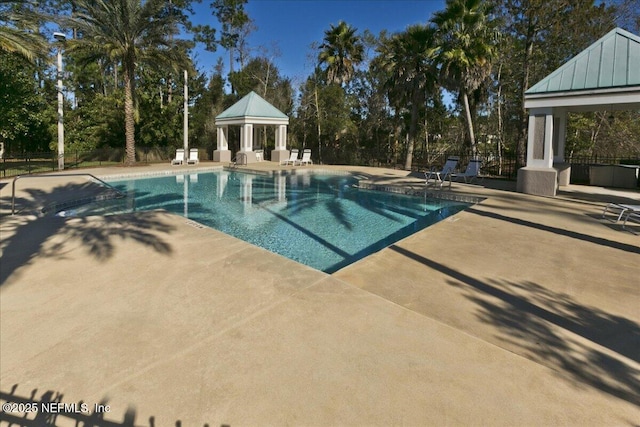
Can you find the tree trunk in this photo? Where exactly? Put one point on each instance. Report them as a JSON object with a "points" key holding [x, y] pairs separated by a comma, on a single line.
{"points": [[500, 123], [319, 133], [129, 119], [412, 136], [467, 114]]}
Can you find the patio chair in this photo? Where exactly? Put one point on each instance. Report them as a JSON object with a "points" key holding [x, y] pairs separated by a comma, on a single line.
{"points": [[179, 157], [439, 177], [306, 158], [293, 158], [624, 210], [471, 173], [193, 157]]}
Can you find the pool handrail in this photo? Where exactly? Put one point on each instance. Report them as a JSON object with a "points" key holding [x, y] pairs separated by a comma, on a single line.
{"points": [[13, 184]]}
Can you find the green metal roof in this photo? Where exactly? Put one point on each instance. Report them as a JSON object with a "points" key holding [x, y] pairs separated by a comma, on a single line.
{"points": [[252, 105], [611, 62]]}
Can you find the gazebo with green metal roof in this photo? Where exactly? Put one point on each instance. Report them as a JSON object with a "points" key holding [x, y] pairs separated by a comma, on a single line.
{"points": [[604, 76], [249, 111]]}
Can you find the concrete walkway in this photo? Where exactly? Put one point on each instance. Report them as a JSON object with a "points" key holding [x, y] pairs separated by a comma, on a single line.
{"points": [[521, 310]]}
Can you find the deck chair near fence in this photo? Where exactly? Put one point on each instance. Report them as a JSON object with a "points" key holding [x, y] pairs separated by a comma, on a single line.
{"points": [[471, 173], [193, 157], [436, 177], [179, 157], [293, 158]]}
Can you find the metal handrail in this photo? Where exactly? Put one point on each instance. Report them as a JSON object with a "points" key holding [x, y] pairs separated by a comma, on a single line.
{"points": [[13, 184]]}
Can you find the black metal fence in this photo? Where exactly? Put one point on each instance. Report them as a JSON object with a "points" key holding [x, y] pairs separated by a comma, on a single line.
{"points": [[493, 164], [29, 163]]}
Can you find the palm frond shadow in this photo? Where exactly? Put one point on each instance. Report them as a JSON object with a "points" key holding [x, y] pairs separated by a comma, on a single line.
{"points": [[51, 411], [25, 238], [583, 343]]}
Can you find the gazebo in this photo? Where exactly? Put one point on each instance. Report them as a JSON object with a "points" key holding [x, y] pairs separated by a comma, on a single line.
{"points": [[251, 110], [604, 76]]}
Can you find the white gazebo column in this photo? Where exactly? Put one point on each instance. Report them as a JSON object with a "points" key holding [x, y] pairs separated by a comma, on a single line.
{"points": [[539, 177], [246, 143], [222, 154], [280, 153]]}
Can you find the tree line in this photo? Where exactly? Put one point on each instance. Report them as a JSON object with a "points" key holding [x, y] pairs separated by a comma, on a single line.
{"points": [[454, 83]]}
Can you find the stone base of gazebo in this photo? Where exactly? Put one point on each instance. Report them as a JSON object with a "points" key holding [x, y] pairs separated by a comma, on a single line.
{"points": [[223, 156], [538, 181], [279, 155], [246, 157], [564, 173]]}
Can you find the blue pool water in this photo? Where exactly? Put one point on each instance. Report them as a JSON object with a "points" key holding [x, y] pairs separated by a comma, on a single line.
{"points": [[319, 220]]}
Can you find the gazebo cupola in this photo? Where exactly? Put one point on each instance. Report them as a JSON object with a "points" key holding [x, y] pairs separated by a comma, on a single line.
{"points": [[604, 76], [249, 111]]}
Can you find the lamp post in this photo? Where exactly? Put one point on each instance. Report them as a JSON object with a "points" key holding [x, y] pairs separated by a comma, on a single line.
{"points": [[60, 37]]}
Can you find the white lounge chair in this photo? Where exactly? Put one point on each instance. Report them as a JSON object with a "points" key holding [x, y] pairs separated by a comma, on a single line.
{"points": [[439, 177], [293, 158], [193, 157], [471, 173], [624, 210], [179, 157], [306, 158]]}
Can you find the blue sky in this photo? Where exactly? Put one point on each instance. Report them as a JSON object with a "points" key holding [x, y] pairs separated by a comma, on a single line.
{"points": [[291, 26]]}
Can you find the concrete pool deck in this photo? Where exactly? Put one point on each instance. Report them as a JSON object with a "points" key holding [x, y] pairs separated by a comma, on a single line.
{"points": [[521, 310]]}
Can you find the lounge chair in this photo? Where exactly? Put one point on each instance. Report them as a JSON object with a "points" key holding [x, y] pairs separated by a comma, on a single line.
{"points": [[624, 210], [293, 158], [471, 173], [306, 158], [633, 216], [179, 157], [439, 177], [193, 157]]}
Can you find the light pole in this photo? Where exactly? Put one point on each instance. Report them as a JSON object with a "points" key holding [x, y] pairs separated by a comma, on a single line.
{"points": [[185, 134], [60, 37]]}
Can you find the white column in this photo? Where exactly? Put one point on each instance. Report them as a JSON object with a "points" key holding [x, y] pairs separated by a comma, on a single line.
{"points": [[246, 137], [540, 139], [222, 153], [222, 143], [281, 137], [539, 176], [560, 134]]}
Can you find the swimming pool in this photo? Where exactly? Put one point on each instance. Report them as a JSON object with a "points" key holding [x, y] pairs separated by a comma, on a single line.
{"points": [[321, 220]]}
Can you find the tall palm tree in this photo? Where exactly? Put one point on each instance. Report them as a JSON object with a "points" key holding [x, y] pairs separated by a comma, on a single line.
{"points": [[18, 30], [467, 47], [340, 51], [128, 33], [408, 59]]}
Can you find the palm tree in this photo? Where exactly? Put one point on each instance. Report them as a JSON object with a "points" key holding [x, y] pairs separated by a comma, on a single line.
{"points": [[340, 51], [18, 30], [467, 47], [408, 59], [128, 33]]}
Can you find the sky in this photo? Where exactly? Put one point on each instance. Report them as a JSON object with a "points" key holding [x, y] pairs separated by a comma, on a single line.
{"points": [[287, 28]]}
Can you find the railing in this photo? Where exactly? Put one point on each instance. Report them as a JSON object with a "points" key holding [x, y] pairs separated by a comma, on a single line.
{"points": [[13, 184]]}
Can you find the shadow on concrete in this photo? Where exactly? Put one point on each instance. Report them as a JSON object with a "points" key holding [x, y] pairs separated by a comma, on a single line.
{"points": [[25, 237], [551, 328], [560, 231], [49, 410]]}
